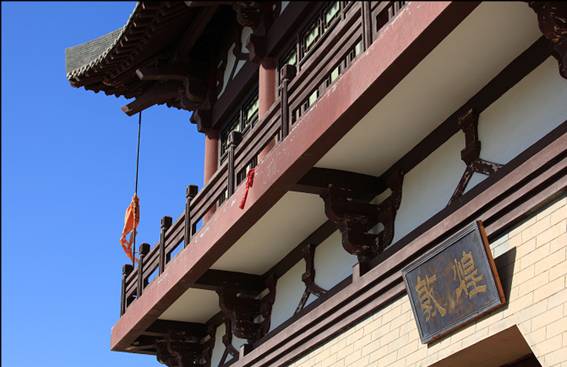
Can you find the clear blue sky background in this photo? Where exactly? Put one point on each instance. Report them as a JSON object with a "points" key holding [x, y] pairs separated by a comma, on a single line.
{"points": [[68, 159]]}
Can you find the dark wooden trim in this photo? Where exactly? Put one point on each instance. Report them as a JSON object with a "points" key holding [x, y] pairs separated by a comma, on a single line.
{"points": [[417, 31], [144, 250], [126, 270], [235, 91], [156, 94], [164, 327], [521, 66], [383, 284], [317, 181], [218, 279], [164, 226]]}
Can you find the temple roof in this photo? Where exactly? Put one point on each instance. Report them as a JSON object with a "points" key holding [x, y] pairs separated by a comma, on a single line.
{"points": [[108, 63]]}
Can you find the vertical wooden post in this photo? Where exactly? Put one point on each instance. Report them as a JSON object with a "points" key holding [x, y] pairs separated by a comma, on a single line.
{"points": [[366, 25], [165, 225], [233, 140], [143, 251], [190, 193], [287, 74], [126, 270]]}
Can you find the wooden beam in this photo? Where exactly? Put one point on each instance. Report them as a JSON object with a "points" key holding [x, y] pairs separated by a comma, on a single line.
{"points": [[194, 32], [201, 4], [164, 327], [221, 279], [158, 93], [317, 181]]}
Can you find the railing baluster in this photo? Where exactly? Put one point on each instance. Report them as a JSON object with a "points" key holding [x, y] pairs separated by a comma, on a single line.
{"points": [[233, 140], [165, 224], [126, 270], [366, 25], [287, 74], [190, 193], [144, 249]]}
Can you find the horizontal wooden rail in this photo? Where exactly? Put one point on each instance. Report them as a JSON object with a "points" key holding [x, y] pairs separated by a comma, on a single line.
{"points": [[334, 46]]}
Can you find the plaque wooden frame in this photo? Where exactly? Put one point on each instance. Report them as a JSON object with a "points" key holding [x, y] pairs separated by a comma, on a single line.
{"points": [[498, 300]]}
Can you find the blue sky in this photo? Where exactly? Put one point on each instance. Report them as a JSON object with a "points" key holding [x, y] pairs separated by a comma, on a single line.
{"points": [[68, 159]]}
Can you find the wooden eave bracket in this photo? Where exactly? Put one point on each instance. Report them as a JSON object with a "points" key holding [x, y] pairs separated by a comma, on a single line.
{"points": [[317, 181], [356, 218], [471, 154], [308, 278], [158, 93], [177, 344], [248, 313], [552, 21]]}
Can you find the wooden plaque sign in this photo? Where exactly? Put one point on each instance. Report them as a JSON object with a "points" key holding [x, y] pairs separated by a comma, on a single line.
{"points": [[453, 284]]}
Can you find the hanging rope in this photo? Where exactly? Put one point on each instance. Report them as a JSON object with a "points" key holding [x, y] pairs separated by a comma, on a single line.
{"points": [[132, 217], [137, 207]]}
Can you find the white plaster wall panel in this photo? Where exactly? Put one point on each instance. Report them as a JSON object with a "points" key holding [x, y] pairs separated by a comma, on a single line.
{"points": [[524, 114], [230, 60], [289, 290], [455, 70], [332, 262], [219, 347], [244, 36], [428, 187]]}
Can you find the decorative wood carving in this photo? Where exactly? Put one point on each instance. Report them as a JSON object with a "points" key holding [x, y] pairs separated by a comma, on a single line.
{"points": [[356, 218], [471, 154], [309, 278], [258, 15], [185, 349], [552, 19], [248, 312]]}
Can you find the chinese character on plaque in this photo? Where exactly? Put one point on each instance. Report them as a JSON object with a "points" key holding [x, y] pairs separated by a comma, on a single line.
{"points": [[453, 284]]}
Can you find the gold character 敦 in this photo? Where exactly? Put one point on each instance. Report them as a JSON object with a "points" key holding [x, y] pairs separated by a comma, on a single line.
{"points": [[429, 305]]}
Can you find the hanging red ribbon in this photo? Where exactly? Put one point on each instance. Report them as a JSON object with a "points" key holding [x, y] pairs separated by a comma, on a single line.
{"points": [[249, 183]]}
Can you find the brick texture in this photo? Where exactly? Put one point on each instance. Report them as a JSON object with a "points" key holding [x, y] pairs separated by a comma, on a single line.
{"points": [[537, 305]]}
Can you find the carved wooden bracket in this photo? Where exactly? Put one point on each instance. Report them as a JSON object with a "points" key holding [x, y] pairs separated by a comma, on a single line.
{"points": [[552, 19], [471, 154], [309, 278], [259, 15], [248, 312], [355, 218], [182, 349]]}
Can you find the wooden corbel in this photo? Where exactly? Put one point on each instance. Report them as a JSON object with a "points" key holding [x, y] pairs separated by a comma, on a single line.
{"points": [[552, 20], [184, 349], [194, 90], [355, 218], [258, 15], [471, 154], [248, 312], [202, 118], [308, 278]]}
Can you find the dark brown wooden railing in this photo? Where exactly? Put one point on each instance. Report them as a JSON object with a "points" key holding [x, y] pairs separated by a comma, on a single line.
{"points": [[344, 39]]}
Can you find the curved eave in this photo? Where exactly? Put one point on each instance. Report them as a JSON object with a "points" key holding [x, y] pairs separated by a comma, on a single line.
{"points": [[108, 63]]}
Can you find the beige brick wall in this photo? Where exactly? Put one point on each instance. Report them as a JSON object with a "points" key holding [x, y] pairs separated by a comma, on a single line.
{"points": [[537, 305]]}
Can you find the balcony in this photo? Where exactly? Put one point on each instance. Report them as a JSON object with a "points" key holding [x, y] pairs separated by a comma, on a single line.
{"points": [[321, 54]]}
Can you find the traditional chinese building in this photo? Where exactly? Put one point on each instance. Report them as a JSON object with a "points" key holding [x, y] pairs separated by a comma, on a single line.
{"points": [[379, 133]]}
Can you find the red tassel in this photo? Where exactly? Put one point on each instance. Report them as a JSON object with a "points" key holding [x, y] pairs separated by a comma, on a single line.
{"points": [[249, 183]]}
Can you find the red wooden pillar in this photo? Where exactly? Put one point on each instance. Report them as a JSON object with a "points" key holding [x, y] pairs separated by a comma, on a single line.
{"points": [[211, 161], [266, 96]]}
